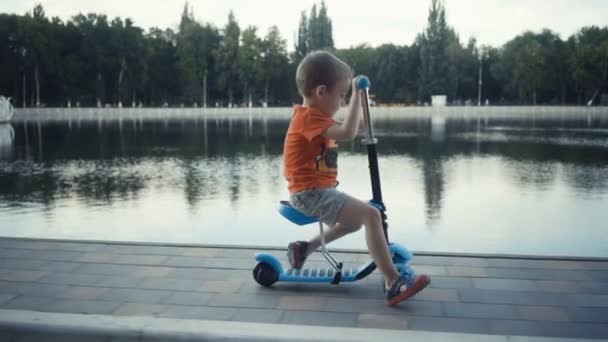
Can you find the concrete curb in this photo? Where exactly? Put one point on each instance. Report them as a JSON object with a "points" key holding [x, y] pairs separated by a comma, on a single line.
{"points": [[18, 325], [334, 250]]}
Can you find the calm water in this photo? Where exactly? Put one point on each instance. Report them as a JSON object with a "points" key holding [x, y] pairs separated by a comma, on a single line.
{"points": [[476, 185]]}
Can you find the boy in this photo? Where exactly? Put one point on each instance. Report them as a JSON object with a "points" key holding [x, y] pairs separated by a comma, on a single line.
{"points": [[310, 163]]}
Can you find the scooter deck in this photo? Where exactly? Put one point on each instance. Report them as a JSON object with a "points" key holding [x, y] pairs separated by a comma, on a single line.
{"points": [[326, 275]]}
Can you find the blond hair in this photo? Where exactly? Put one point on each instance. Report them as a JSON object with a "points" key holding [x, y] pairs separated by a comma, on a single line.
{"points": [[321, 68]]}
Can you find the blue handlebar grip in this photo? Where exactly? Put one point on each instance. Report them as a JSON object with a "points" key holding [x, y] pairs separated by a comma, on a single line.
{"points": [[362, 82]]}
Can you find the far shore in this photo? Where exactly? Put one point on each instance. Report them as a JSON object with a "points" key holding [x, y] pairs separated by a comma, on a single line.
{"points": [[169, 113]]}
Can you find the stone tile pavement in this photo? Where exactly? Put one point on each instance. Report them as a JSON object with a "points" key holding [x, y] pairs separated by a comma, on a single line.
{"points": [[480, 295]]}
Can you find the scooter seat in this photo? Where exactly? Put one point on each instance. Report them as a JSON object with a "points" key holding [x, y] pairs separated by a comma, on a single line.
{"points": [[294, 215]]}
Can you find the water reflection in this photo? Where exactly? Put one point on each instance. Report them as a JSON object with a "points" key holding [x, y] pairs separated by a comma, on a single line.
{"points": [[7, 138], [107, 161], [104, 162], [231, 167]]}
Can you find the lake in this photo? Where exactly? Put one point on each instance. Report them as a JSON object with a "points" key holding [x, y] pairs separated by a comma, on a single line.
{"points": [[498, 184]]}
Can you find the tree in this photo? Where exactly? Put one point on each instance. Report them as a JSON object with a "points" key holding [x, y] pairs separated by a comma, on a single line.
{"points": [[93, 59], [492, 87], [325, 30], [39, 44], [250, 61], [319, 29], [11, 68], [274, 59], [555, 76], [523, 66], [394, 69], [301, 47], [186, 57], [464, 69], [589, 62], [434, 71], [359, 58], [100, 55], [315, 32], [227, 57], [196, 46], [162, 84], [128, 42], [186, 19], [34, 47]]}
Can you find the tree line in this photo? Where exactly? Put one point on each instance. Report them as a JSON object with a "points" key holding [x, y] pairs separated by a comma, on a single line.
{"points": [[92, 60]]}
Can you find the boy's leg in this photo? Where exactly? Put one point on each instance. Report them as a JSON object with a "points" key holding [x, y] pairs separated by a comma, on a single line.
{"points": [[298, 251], [334, 232], [356, 213]]}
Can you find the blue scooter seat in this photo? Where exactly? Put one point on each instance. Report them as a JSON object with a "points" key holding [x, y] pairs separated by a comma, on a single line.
{"points": [[294, 215], [297, 217]]}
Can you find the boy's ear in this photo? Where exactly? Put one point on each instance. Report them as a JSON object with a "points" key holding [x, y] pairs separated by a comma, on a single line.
{"points": [[321, 90]]}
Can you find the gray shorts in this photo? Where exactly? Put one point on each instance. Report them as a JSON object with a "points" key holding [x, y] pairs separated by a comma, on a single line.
{"points": [[324, 204]]}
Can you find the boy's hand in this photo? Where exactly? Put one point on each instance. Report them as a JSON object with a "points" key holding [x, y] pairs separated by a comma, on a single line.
{"points": [[347, 129], [354, 91]]}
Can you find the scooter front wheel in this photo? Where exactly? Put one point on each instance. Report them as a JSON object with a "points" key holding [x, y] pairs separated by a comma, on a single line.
{"points": [[264, 274]]}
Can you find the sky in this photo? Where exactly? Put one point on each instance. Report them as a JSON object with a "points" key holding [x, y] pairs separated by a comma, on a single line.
{"points": [[491, 22]]}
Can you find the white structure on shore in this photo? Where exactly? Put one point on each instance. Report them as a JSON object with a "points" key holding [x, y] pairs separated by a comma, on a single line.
{"points": [[6, 109], [438, 100]]}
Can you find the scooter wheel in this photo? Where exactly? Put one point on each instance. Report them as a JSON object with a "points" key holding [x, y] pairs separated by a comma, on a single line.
{"points": [[264, 274]]}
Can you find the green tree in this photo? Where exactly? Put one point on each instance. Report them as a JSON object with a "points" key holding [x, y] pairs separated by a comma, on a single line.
{"points": [[11, 68], [186, 57], [32, 32], [274, 61], [394, 71], [128, 42], [319, 30], [91, 59], [98, 50], [250, 61], [523, 66], [589, 62], [325, 29], [162, 84], [227, 57], [195, 50], [301, 47], [315, 32], [556, 75], [492, 87], [435, 74], [464, 69]]}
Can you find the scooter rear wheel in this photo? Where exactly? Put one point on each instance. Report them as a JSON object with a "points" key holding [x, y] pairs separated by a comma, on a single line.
{"points": [[264, 274]]}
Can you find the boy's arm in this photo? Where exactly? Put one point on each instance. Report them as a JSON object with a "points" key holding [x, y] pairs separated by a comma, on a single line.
{"points": [[347, 130]]}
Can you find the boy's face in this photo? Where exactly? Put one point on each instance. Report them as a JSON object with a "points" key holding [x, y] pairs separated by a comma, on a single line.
{"points": [[331, 99]]}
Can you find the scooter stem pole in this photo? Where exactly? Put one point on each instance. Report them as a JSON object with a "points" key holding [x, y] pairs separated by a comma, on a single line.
{"points": [[372, 155], [369, 128]]}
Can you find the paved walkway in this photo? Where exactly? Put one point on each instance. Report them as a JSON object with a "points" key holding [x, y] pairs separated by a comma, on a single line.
{"points": [[478, 295]]}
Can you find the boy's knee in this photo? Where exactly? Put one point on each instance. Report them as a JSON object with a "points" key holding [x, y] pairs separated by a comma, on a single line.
{"points": [[373, 216], [352, 228]]}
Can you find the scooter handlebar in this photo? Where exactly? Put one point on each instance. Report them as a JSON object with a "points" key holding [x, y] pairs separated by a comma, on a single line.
{"points": [[362, 82]]}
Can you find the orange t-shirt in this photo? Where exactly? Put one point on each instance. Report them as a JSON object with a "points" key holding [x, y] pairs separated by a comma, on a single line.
{"points": [[310, 160]]}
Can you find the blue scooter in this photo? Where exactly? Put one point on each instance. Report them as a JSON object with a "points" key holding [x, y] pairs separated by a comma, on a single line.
{"points": [[268, 270]]}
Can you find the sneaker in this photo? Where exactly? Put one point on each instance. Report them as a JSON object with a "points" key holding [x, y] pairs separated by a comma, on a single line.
{"points": [[296, 253], [394, 295]]}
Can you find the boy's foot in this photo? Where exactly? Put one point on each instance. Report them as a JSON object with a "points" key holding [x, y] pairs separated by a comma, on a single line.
{"points": [[395, 294], [296, 253]]}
